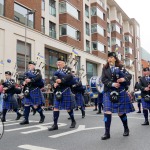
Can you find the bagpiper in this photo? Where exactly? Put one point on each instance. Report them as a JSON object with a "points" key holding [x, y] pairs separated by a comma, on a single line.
{"points": [[9, 99], [144, 85], [62, 81], [116, 80], [32, 93]]}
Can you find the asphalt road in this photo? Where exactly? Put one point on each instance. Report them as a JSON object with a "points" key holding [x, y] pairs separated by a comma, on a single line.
{"points": [[86, 135]]}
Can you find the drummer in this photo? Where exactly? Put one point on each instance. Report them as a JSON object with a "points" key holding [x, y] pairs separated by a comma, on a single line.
{"points": [[138, 95]]}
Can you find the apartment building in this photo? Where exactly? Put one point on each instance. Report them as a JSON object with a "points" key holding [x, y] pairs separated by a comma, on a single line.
{"points": [[50, 28]]}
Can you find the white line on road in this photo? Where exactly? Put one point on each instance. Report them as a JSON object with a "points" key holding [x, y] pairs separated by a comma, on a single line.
{"points": [[31, 147], [42, 128], [80, 128], [16, 123]]}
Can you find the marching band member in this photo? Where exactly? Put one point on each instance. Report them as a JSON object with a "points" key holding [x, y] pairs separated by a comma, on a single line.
{"points": [[144, 85], [137, 89], [100, 102], [63, 99], [9, 100], [32, 93], [116, 100], [78, 90]]}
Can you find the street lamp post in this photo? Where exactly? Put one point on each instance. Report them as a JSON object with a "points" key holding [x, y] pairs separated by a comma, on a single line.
{"points": [[26, 21]]}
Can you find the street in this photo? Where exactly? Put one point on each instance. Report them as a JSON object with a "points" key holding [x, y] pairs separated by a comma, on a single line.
{"points": [[86, 135]]}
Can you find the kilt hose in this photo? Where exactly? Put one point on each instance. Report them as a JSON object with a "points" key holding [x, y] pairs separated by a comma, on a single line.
{"points": [[67, 102], [123, 106], [35, 98]]}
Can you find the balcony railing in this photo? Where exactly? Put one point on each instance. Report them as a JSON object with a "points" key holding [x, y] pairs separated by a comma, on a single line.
{"points": [[52, 11], [52, 34]]}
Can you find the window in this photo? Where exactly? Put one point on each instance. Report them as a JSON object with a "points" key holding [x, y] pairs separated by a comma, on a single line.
{"points": [[52, 30], [66, 7], [128, 50], [98, 29], [91, 70], [87, 11], [21, 13], [98, 46], [2, 7], [69, 31], [115, 27], [52, 7], [128, 38], [108, 27], [97, 12], [116, 41], [87, 46], [43, 25], [87, 28], [108, 41], [43, 4], [108, 13], [21, 55]]}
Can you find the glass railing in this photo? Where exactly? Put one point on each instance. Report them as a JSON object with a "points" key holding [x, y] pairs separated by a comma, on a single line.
{"points": [[52, 11], [52, 34], [86, 13], [87, 49], [87, 31]]}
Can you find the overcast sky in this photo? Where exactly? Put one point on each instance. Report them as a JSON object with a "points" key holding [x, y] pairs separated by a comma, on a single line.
{"points": [[140, 10]]}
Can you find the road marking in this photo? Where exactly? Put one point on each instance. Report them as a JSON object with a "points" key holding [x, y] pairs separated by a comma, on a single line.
{"points": [[17, 123], [31, 147], [40, 126], [80, 128]]}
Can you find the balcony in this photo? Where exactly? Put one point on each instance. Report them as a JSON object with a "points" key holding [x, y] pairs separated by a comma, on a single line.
{"points": [[52, 34], [88, 31], [88, 49], [52, 11]]}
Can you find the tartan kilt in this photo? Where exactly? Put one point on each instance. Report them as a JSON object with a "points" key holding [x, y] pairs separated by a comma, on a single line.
{"points": [[10, 102], [67, 101], [123, 106], [79, 99], [145, 105], [35, 98]]}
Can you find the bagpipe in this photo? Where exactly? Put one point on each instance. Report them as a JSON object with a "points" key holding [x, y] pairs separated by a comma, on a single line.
{"points": [[96, 85], [115, 92]]}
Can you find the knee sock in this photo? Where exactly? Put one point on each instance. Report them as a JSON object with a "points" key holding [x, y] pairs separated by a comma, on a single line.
{"points": [[4, 113], [71, 114], [107, 120], [40, 111], [55, 117], [145, 113], [124, 120], [26, 112]]}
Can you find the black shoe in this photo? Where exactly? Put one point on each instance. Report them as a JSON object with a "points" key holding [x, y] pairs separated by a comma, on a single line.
{"points": [[126, 132], [34, 112], [19, 116], [73, 124], [94, 109], [83, 114], [138, 112], [69, 118], [145, 123], [99, 112], [53, 127], [105, 137], [42, 119], [24, 122], [3, 120]]}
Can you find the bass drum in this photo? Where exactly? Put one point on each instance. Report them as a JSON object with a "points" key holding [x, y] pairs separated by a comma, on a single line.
{"points": [[137, 95], [96, 84]]}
